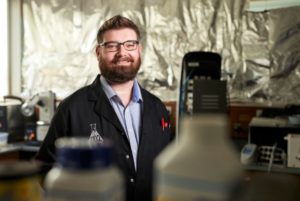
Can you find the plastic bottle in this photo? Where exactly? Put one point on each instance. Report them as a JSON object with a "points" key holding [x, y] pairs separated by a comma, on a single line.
{"points": [[84, 172], [202, 165]]}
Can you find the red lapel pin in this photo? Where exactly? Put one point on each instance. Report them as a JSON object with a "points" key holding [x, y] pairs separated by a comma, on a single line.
{"points": [[164, 124]]}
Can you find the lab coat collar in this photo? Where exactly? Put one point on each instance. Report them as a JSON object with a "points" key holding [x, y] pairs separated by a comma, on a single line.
{"points": [[104, 108], [110, 93], [102, 105]]}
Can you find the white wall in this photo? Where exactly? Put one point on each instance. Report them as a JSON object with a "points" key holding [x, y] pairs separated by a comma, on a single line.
{"points": [[3, 48]]}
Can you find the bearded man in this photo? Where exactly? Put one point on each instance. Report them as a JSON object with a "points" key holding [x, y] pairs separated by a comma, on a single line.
{"points": [[118, 108]]}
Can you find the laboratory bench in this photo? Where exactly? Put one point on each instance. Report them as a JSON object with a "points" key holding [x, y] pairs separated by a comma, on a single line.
{"points": [[274, 169], [258, 184], [18, 151], [259, 167], [261, 183]]}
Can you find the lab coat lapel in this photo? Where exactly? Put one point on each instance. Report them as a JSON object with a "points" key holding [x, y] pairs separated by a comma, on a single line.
{"points": [[103, 106], [146, 115]]}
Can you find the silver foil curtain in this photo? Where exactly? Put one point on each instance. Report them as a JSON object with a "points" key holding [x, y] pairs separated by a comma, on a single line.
{"points": [[260, 51]]}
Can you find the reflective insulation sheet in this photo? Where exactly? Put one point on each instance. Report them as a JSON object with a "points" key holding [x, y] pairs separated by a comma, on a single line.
{"points": [[260, 51]]}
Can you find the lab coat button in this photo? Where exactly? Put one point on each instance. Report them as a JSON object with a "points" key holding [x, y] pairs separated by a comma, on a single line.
{"points": [[127, 156]]}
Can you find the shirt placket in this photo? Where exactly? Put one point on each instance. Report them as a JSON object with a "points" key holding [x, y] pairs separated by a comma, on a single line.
{"points": [[130, 133]]}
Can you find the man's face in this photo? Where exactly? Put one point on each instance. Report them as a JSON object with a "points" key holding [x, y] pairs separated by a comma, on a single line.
{"points": [[121, 65]]}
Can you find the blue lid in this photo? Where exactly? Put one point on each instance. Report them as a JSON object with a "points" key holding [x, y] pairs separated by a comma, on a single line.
{"points": [[79, 153]]}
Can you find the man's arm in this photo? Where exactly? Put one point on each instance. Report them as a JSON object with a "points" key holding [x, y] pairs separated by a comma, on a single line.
{"points": [[46, 155]]}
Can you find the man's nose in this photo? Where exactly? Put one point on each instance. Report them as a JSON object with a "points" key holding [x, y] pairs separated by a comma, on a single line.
{"points": [[121, 48]]}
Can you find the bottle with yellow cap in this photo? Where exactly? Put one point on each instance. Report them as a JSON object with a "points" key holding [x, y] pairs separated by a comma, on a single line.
{"points": [[19, 181]]}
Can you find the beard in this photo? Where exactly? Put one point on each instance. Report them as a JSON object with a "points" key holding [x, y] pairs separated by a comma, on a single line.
{"points": [[119, 74]]}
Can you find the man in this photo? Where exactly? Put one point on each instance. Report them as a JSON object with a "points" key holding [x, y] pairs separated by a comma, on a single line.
{"points": [[118, 108]]}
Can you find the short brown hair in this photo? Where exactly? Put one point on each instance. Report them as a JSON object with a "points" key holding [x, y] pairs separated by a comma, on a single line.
{"points": [[116, 22]]}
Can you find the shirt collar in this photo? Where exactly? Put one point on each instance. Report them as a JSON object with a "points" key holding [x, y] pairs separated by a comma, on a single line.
{"points": [[110, 93], [136, 92]]}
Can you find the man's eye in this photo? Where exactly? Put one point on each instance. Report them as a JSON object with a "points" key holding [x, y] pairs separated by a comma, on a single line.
{"points": [[110, 46], [129, 45]]}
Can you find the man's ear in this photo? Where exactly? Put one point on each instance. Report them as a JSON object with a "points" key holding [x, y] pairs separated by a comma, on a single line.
{"points": [[140, 48], [97, 51]]}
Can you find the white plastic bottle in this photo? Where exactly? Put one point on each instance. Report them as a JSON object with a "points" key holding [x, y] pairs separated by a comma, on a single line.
{"points": [[202, 165], [84, 172]]}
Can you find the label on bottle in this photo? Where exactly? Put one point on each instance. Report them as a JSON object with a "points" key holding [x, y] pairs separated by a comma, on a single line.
{"points": [[114, 193], [174, 199], [177, 188]]}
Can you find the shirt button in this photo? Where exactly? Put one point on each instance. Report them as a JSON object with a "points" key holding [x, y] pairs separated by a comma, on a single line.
{"points": [[127, 156], [131, 180]]}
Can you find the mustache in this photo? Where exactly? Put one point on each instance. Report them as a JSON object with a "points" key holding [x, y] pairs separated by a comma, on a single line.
{"points": [[119, 59]]}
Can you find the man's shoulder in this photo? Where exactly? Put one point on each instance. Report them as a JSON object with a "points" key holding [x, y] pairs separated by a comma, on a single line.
{"points": [[77, 99], [150, 97]]}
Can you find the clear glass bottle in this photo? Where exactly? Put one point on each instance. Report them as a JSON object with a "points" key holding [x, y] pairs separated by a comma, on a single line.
{"points": [[84, 171], [202, 165]]}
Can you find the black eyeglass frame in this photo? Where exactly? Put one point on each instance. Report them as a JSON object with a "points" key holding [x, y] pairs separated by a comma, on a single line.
{"points": [[116, 45]]}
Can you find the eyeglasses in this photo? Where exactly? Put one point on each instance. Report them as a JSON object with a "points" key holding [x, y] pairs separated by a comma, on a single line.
{"points": [[112, 46]]}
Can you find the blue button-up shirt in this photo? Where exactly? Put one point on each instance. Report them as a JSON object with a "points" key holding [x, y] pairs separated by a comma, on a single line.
{"points": [[130, 116]]}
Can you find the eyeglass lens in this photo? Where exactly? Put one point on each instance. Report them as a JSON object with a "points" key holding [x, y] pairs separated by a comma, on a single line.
{"points": [[114, 46]]}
